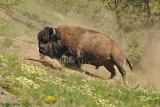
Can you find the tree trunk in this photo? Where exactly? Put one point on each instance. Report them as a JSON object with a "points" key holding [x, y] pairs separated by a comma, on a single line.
{"points": [[119, 23], [148, 24], [147, 2]]}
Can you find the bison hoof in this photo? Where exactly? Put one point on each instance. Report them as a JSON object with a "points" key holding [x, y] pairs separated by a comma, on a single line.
{"points": [[111, 77], [97, 67]]}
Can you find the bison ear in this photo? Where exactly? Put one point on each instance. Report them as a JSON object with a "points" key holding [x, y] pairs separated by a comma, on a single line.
{"points": [[49, 31], [53, 33]]}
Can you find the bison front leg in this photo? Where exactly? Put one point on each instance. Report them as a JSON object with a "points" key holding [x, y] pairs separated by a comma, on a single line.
{"points": [[110, 68], [78, 57], [75, 59]]}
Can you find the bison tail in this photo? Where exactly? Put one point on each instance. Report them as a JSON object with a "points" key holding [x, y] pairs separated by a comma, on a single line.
{"points": [[130, 65]]}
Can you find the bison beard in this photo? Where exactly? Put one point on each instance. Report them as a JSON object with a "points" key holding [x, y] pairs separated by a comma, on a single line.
{"points": [[85, 45]]}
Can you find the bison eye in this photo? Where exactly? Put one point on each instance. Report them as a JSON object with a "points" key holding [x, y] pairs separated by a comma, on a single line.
{"points": [[44, 41]]}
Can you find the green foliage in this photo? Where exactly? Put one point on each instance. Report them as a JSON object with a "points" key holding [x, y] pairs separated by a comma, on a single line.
{"points": [[134, 13], [6, 105], [134, 52], [9, 3], [12, 28], [155, 10], [8, 41]]}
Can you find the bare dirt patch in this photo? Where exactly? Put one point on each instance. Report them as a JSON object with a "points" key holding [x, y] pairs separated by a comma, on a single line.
{"points": [[3, 14], [6, 97], [23, 46]]}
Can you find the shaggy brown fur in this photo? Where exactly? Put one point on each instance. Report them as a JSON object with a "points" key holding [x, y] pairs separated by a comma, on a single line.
{"points": [[47, 61], [87, 45]]}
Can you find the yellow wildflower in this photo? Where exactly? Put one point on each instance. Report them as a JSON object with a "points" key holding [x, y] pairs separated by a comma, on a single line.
{"points": [[49, 99]]}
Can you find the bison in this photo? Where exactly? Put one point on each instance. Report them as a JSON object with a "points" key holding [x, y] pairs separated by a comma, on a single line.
{"points": [[85, 45]]}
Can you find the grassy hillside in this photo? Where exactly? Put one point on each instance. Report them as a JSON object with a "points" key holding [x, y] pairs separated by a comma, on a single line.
{"points": [[34, 85], [38, 86]]}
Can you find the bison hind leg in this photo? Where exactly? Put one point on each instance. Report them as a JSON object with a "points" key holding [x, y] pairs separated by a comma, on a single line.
{"points": [[119, 65]]}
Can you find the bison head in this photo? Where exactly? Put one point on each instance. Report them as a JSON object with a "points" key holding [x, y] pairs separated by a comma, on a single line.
{"points": [[49, 42]]}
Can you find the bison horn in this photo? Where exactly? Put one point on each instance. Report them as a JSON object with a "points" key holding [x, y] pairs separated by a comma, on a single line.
{"points": [[54, 31]]}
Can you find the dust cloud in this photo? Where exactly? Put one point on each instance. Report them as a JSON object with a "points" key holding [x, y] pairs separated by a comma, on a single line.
{"points": [[148, 72], [150, 63], [107, 22], [147, 75]]}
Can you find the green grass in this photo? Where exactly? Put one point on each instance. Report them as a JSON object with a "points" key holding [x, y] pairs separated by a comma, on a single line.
{"points": [[8, 41], [13, 28], [32, 84], [38, 11]]}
